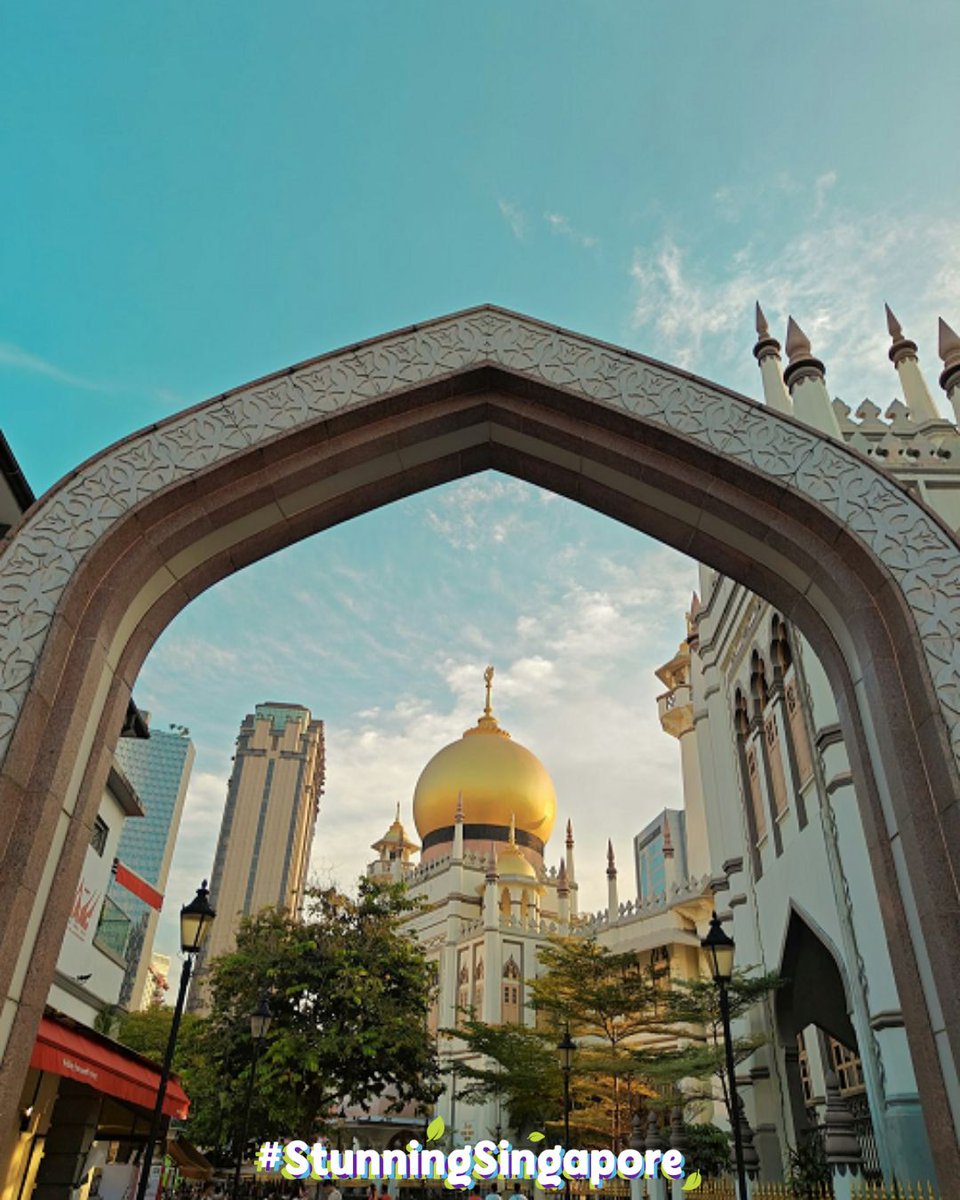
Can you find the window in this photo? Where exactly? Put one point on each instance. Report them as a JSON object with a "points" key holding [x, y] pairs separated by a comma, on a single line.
{"points": [[846, 1063], [98, 836]]}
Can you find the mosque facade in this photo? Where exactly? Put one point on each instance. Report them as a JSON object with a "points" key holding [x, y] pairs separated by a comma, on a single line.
{"points": [[494, 890]]}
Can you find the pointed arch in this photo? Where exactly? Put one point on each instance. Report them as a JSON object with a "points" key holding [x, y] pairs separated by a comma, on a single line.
{"points": [[106, 559]]}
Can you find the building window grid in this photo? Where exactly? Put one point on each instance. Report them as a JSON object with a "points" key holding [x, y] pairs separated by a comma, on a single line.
{"points": [[849, 1069], [258, 839]]}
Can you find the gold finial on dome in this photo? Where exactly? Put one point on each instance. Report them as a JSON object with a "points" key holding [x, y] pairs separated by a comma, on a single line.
{"points": [[493, 777], [513, 829], [488, 723]]}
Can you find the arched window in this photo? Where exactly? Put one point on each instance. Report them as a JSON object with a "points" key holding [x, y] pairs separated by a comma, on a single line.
{"points": [[759, 690], [750, 762], [780, 654]]}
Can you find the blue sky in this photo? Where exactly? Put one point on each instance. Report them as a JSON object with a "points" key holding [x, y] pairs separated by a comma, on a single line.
{"points": [[199, 194]]}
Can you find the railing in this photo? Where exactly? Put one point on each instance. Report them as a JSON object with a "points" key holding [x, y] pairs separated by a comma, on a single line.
{"points": [[723, 1189]]}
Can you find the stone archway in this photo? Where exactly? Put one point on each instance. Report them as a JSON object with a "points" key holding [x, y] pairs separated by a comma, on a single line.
{"points": [[105, 560]]}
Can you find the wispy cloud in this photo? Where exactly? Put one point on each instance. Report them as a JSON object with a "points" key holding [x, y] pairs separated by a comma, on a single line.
{"points": [[567, 613], [833, 274], [514, 217], [17, 359], [561, 227]]}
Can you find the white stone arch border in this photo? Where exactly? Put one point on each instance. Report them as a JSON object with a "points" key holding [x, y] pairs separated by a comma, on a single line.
{"points": [[874, 574]]}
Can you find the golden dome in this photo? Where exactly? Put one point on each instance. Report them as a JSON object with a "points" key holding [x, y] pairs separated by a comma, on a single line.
{"points": [[499, 780]]}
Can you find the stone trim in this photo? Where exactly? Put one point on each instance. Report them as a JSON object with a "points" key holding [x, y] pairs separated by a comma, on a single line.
{"points": [[841, 780], [828, 735], [891, 1018], [732, 866]]}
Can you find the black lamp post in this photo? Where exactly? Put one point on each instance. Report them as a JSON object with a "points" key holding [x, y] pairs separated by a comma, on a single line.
{"points": [[195, 921], [720, 948], [260, 1020], [565, 1050]]}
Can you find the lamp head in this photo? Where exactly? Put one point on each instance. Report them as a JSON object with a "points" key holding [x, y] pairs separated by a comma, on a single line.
{"points": [[195, 921], [565, 1048], [720, 949], [260, 1020]]}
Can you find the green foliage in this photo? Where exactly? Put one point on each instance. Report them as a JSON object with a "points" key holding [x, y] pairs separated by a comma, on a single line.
{"points": [[808, 1171], [525, 1078], [148, 1032], [612, 1005], [708, 1149], [349, 993]]}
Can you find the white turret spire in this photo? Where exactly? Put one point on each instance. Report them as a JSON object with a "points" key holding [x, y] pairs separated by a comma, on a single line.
{"points": [[949, 348], [456, 855], [903, 355], [613, 900], [767, 354], [805, 376]]}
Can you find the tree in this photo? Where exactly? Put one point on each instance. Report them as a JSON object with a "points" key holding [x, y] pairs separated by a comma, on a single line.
{"points": [[606, 1000], [525, 1079], [693, 1005], [349, 993], [639, 1036]]}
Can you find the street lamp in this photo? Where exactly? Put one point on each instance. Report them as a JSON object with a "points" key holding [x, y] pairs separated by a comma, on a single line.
{"points": [[195, 921], [565, 1049], [720, 949], [260, 1021]]}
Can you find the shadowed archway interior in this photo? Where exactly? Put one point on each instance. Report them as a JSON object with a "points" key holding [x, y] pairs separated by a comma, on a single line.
{"points": [[105, 560]]}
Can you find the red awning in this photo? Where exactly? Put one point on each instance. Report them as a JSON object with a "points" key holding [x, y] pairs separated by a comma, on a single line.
{"points": [[106, 1066], [134, 883]]}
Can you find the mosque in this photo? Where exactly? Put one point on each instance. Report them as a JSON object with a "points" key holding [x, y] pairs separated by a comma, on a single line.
{"points": [[484, 809]]}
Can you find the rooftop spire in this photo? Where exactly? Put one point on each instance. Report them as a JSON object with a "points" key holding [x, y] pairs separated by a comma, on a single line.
{"points": [[949, 349], [569, 832], [488, 680], [513, 829], [798, 344], [767, 354], [903, 355], [611, 861], [458, 815], [893, 325]]}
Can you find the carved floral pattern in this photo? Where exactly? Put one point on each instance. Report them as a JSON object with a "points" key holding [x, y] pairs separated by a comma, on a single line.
{"points": [[38, 561]]}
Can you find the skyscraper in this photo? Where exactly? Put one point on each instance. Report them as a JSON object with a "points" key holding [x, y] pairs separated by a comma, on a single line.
{"points": [[267, 830], [159, 767]]}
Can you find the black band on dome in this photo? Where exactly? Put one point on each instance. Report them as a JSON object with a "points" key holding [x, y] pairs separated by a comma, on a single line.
{"points": [[482, 833]]}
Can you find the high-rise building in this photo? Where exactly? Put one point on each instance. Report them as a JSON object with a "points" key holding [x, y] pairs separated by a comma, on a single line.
{"points": [[660, 851], [159, 768], [267, 830]]}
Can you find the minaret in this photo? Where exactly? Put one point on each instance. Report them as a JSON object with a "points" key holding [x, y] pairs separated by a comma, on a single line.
{"points": [[492, 944], [613, 902], [563, 898], [767, 354], [571, 872], [903, 355], [805, 376], [491, 898], [950, 375], [456, 855]]}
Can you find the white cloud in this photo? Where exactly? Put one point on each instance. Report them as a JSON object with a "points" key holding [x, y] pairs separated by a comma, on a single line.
{"points": [[18, 359], [514, 217], [832, 276], [560, 225]]}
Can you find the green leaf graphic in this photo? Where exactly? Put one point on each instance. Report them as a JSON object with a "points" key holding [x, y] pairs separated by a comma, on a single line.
{"points": [[535, 1137], [435, 1129], [693, 1182]]}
